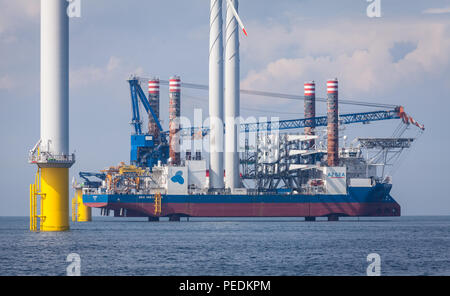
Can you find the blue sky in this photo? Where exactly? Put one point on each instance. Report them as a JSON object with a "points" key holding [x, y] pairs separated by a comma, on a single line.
{"points": [[401, 58]]}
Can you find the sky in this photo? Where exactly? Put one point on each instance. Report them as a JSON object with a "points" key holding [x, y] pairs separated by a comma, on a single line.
{"points": [[400, 58]]}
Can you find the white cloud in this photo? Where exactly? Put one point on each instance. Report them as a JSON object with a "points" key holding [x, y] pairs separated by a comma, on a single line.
{"points": [[6, 82], [437, 10], [17, 13], [93, 74], [113, 64], [357, 53]]}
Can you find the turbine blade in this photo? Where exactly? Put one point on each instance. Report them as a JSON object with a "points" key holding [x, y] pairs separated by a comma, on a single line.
{"points": [[236, 15]]}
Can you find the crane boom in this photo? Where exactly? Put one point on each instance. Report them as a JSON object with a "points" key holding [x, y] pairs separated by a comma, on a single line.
{"points": [[320, 121], [363, 117], [135, 120], [137, 92]]}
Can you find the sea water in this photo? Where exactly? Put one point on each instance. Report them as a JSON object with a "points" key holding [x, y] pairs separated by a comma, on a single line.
{"points": [[229, 246]]}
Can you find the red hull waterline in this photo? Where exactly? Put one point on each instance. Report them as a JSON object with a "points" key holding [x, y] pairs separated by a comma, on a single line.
{"points": [[339, 209]]}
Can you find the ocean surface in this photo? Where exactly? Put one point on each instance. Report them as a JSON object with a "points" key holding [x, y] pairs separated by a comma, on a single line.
{"points": [[232, 246]]}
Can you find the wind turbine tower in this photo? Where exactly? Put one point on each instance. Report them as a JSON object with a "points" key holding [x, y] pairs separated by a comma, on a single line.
{"points": [[51, 153]]}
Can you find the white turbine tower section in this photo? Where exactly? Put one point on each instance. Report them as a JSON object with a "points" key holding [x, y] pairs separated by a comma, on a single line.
{"points": [[232, 95], [54, 77], [216, 95]]}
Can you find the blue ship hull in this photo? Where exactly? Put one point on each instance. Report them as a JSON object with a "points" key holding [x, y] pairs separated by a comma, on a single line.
{"points": [[360, 201]]}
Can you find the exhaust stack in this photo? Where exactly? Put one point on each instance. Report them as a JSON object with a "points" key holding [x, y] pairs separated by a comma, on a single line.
{"points": [[333, 123], [153, 99], [174, 119], [310, 109]]}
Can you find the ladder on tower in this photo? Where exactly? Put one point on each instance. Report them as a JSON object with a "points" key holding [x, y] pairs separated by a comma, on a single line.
{"points": [[158, 204], [36, 195]]}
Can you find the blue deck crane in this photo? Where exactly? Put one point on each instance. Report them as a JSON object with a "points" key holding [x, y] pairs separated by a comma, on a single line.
{"points": [[146, 149]]}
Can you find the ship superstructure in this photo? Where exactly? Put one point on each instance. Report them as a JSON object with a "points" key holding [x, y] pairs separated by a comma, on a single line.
{"points": [[283, 172], [286, 168]]}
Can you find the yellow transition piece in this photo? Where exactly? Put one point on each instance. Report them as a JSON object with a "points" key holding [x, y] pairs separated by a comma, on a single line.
{"points": [[83, 213], [55, 203]]}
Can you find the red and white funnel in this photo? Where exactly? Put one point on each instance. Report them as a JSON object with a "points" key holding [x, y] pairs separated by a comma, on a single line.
{"points": [[333, 123]]}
